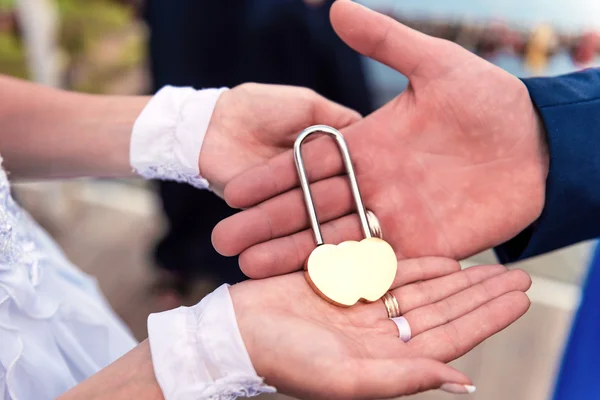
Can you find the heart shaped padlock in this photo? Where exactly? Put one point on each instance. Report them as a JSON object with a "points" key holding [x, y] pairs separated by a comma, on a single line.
{"points": [[351, 271]]}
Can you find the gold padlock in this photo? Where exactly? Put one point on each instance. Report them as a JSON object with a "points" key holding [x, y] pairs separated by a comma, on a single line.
{"points": [[351, 271]]}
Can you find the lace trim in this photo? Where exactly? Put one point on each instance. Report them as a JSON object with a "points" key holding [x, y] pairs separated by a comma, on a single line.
{"points": [[167, 136], [228, 388], [172, 173]]}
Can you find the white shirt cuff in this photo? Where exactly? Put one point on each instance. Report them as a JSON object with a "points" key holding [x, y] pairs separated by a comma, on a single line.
{"points": [[198, 352], [167, 136]]}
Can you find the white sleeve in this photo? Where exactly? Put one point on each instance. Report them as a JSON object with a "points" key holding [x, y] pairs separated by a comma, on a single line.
{"points": [[168, 135], [198, 352]]}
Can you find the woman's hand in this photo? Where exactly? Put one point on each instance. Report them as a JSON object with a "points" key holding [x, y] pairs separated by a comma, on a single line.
{"points": [[252, 123], [309, 348]]}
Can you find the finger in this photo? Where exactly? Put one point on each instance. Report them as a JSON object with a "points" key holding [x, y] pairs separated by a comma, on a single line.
{"points": [[286, 110], [450, 341], [289, 253], [282, 216], [380, 37], [440, 313], [315, 110], [423, 269], [430, 290], [321, 158], [390, 378], [327, 112]]}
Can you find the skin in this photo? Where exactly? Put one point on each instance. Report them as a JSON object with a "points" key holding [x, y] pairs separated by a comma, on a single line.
{"points": [[311, 349], [453, 165], [253, 123], [48, 133], [51, 133]]}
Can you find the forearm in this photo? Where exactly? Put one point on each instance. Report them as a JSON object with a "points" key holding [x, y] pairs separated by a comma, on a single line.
{"points": [[130, 377], [49, 133]]}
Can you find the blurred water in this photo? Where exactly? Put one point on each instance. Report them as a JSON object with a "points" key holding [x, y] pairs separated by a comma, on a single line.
{"points": [[567, 14], [564, 15]]}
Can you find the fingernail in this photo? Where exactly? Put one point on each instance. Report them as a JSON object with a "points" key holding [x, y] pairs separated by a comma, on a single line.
{"points": [[457, 388]]}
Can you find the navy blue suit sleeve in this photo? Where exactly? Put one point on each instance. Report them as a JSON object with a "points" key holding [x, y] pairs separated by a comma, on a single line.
{"points": [[569, 106]]}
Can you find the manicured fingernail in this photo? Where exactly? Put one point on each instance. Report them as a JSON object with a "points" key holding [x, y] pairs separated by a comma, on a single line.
{"points": [[457, 388]]}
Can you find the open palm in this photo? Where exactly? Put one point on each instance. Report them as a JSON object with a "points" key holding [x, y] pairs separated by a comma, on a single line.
{"points": [[309, 348], [455, 164]]}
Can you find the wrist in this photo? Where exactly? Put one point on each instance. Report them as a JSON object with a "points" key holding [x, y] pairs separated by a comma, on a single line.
{"points": [[199, 350], [168, 135], [118, 117], [514, 249], [217, 144]]}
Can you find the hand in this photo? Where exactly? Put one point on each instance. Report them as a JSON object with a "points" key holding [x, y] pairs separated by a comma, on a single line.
{"points": [[252, 123], [309, 348], [454, 165]]}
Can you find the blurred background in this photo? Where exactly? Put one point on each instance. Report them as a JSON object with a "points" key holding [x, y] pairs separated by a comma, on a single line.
{"points": [[140, 239]]}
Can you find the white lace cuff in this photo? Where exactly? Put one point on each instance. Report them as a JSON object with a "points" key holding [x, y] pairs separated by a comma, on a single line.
{"points": [[168, 135], [198, 352]]}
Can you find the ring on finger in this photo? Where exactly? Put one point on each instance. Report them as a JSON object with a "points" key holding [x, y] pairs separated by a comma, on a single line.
{"points": [[404, 332], [391, 305], [374, 225]]}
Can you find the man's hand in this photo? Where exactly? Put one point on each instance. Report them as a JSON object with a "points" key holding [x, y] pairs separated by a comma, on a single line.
{"points": [[252, 123], [455, 164]]}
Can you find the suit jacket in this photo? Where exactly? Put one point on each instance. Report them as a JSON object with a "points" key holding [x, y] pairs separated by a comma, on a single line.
{"points": [[570, 109], [569, 106]]}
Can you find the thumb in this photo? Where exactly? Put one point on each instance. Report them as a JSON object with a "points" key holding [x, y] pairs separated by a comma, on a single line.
{"points": [[393, 378], [380, 37], [327, 112], [321, 111]]}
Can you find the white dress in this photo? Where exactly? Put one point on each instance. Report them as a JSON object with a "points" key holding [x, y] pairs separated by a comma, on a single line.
{"points": [[56, 328]]}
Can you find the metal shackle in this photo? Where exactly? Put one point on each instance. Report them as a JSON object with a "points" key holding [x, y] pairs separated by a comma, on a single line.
{"points": [[304, 184]]}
